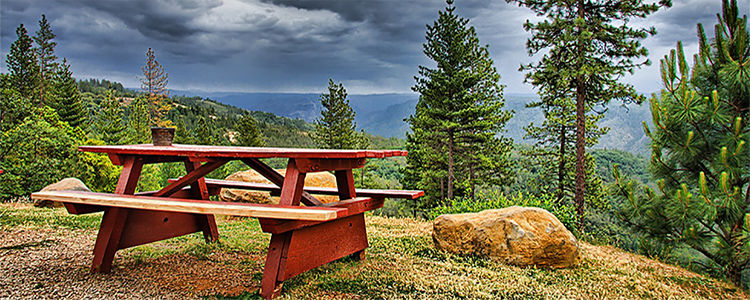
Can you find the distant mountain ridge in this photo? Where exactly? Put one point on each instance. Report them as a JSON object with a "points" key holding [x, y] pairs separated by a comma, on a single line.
{"points": [[383, 114]]}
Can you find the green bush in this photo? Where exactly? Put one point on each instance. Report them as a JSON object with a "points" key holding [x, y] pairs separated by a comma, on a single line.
{"points": [[495, 200]]}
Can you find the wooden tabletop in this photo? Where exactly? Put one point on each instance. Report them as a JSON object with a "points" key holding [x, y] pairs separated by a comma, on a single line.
{"points": [[238, 152]]}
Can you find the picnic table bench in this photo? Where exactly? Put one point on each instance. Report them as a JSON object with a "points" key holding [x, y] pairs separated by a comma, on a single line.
{"points": [[302, 237]]}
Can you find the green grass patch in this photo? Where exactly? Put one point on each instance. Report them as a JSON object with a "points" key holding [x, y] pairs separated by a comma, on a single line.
{"points": [[12, 216]]}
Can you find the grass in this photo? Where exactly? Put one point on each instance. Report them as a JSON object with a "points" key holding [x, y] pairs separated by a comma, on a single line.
{"points": [[402, 263]]}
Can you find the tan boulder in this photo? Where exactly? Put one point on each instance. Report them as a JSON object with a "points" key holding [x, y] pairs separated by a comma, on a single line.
{"points": [[521, 236], [321, 179], [67, 184]]}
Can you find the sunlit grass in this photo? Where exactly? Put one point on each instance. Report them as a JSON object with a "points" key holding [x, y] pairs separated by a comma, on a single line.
{"points": [[402, 263]]}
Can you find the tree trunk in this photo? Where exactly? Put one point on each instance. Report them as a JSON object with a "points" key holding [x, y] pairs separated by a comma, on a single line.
{"points": [[561, 166], [450, 166], [580, 125]]}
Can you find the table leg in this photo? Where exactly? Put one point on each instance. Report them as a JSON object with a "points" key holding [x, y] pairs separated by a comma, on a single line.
{"points": [[294, 184], [294, 252], [345, 184], [108, 239], [113, 221], [200, 191], [270, 286]]}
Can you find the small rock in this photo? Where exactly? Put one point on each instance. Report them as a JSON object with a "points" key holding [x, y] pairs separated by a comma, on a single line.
{"points": [[67, 184], [521, 236]]}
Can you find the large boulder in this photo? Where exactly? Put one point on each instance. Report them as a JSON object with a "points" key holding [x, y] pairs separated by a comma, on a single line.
{"points": [[521, 236], [321, 179], [67, 184]]}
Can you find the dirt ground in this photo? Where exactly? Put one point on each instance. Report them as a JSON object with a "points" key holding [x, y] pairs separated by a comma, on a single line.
{"points": [[50, 264]]}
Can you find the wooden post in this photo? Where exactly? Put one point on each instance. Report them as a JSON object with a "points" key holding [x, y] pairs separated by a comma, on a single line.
{"points": [[113, 221], [199, 190]]}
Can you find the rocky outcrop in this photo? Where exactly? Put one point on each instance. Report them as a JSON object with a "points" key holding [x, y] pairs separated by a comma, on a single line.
{"points": [[321, 179], [521, 236], [67, 184]]}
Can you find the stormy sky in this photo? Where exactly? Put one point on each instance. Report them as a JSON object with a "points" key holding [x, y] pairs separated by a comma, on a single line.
{"points": [[372, 46]]}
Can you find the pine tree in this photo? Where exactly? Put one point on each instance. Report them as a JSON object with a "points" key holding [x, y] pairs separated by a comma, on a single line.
{"points": [[454, 131], [22, 65], [336, 128], [555, 138], [181, 134], [69, 104], [700, 154], [138, 122], [154, 83], [592, 46], [109, 121], [203, 133], [248, 133], [46, 58]]}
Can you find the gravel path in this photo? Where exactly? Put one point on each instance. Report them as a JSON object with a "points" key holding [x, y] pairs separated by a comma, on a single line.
{"points": [[53, 264]]}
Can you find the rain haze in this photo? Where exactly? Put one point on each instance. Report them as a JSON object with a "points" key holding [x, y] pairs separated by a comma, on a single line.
{"points": [[294, 46]]}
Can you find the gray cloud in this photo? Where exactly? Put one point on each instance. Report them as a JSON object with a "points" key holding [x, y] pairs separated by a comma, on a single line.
{"points": [[294, 45]]}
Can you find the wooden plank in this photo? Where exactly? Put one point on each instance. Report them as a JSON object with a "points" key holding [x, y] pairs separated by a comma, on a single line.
{"points": [[405, 194], [198, 151], [353, 206], [146, 226], [314, 246], [309, 165], [194, 206]]}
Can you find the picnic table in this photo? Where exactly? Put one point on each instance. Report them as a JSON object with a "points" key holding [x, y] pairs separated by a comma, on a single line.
{"points": [[302, 237]]}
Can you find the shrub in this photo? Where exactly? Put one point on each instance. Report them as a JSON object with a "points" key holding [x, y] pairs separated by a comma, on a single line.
{"points": [[495, 200]]}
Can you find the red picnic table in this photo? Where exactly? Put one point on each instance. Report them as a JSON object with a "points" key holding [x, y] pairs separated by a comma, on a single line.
{"points": [[303, 237]]}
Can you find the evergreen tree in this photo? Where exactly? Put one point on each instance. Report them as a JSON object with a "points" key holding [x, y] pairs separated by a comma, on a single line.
{"points": [[336, 128], [203, 133], [69, 104], [13, 107], [109, 124], [154, 83], [700, 154], [22, 65], [454, 131], [592, 46], [555, 138], [45, 53], [36, 153], [138, 122], [181, 134], [248, 133]]}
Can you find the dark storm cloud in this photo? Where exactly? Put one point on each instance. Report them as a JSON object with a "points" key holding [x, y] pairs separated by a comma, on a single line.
{"points": [[295, 46]]}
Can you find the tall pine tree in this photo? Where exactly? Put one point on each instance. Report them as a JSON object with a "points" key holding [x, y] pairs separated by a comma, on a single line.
{"points": [[45, 53], [454, 145], [700, 154], [596, 47], [22, 65], [109, 121], [68, 104], [336, 128], [555, 138]]}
